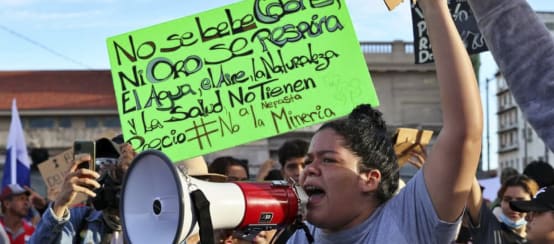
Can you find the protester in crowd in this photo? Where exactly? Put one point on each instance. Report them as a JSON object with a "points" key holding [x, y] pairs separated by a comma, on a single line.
{"points": [[86, 224], [485, 227], [524, 51], [351, 170], [38, 205], [541, 172], [235, 169], [15, 207], [292, 155], [540, 216], [506, 173]]}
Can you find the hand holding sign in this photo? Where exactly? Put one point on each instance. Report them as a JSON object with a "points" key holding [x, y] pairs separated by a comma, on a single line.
{"points": [[410, 143], [392, 4], [53, 172], [465, 23]]}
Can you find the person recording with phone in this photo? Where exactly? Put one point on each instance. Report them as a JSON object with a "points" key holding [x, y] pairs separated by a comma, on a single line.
{"points": [[99, 223]]}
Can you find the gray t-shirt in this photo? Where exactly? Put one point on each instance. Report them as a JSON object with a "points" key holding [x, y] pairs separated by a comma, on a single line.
{"points": [[408, 217]]}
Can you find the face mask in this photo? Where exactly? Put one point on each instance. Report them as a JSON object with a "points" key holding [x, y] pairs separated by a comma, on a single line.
{"points": [[510, 223]]}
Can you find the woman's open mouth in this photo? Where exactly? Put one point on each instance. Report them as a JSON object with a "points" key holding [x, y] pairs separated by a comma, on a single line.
{"points": [[315, 193]]}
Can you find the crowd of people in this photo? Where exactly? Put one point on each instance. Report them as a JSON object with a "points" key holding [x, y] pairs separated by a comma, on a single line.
{"points": [[349, 168]]}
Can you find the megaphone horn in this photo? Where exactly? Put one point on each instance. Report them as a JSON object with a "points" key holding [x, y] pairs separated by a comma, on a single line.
{"points": [[156, 204]]}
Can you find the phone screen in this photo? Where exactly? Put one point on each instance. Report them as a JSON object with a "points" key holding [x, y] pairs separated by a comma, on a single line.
{"points": [[85, 147]]}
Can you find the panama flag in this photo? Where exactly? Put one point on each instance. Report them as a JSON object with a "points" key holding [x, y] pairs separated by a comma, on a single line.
{"points": [[17, 168]]}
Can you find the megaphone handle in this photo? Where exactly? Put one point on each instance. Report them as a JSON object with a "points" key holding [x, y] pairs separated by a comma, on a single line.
{"points": [[202, 211]]}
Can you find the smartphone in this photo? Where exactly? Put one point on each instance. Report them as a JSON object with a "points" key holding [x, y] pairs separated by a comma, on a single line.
{"points": [[85, 147]]}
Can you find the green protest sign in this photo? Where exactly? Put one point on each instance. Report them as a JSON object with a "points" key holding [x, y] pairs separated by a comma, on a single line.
{"points": [[236, 74]]}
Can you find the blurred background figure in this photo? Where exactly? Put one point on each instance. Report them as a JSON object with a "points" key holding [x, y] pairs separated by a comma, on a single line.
{"points": [[292, 155], [509, 226], [541, 172], [507, 173], [235, 169], [15, 206]]}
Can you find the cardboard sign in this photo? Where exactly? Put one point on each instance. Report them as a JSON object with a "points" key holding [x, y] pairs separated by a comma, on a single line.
{"points": [[53, 173], [408, 140], [392, 4], [465, 23], [236, 74]]}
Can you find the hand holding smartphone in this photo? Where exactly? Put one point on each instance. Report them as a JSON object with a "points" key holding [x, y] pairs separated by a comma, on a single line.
{"points": [[81, 148]]}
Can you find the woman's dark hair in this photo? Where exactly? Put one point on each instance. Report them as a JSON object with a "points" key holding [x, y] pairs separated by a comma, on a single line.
{"points": [[221, 164], [365, 134]]}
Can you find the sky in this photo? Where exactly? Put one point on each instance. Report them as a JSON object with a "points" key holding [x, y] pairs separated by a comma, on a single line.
{"points": [[71, 34]]}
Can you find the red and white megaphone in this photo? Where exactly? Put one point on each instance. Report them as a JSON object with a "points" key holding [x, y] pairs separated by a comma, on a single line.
{"points": [[156, 205]]}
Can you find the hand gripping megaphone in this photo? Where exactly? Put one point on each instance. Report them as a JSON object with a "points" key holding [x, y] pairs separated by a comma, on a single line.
{"points": [[156, 204]]}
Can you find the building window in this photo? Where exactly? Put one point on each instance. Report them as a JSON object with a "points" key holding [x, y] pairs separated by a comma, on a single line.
{"points": [[509, 100], [550, 26], [112, 122], [529, 134], [64, 122], [44, 122], [91, 122]]}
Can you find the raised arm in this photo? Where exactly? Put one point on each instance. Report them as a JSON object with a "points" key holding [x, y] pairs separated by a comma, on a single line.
{"points": [[474, 202], [524, 51], [452, 162]]}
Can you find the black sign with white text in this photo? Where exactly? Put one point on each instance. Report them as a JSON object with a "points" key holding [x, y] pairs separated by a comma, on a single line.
{"points": [[465, 23]]}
